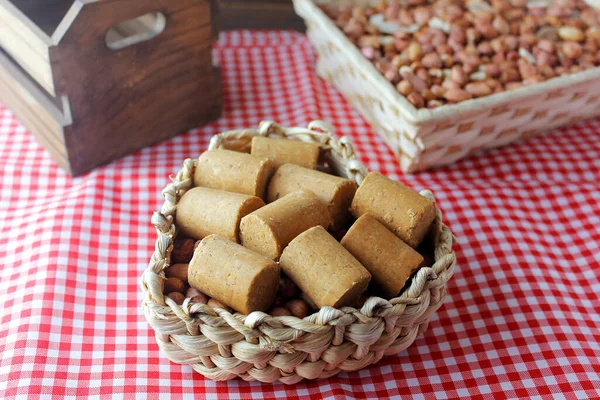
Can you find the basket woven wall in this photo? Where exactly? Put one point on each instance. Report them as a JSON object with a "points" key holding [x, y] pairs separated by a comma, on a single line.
{"points": [[426, 138], [223, 346]]}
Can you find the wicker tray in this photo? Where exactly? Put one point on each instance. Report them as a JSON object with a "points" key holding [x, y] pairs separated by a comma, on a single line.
{"points": [[223, 346], [428, 138]]}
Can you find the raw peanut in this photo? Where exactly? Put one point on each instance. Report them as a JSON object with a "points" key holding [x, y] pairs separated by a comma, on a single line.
{"points": [[287, 288], [201, 298], [545, 59], [280, 312], [457, 95], [527, 70], [401, 44], [408, 74], [216, 304], [478, 89], [191, 292], [572, 49], [353, 29], [415, 65], [372, 29], [423, 74], [469, 69], [405, 18], [436, 73], [414, 51], [432, 60], [183, 250], [391, 74], [368, 52], [391, 12], [458, 75], [547, 33], [487, 31], [571, 34], [405, 88], [492, 83], [178, 271], [197, 244], [177, 297], [450, 84], [472, 35], [492, 70], [519, 3], [298, 308], [443, 49], [547, 71], [501, 25], [485, 48], [546, 45], [422, 15], [438, 90], [499, 58], [511, 42], [427, 95], [498, 46], [434, 104], [448, 60], [510, 75], [513, 85], [369, 41], [512, 55], [173, 285], [399, 61], [533, 79], [416, 99]]}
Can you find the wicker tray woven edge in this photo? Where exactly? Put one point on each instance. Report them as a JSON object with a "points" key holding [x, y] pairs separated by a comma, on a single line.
{"points": [[223, 346]]}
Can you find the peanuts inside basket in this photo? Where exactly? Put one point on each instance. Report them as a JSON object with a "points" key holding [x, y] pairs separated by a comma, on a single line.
{"points": [[451, 129], [223, 344]]}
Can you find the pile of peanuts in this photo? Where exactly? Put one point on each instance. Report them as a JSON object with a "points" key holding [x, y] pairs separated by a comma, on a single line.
{"points": [[448, 51], [289, 301]]}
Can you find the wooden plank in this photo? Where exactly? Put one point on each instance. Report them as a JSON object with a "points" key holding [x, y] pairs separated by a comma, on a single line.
{"points": [[27, 44], [32, 107], [258, 14]]}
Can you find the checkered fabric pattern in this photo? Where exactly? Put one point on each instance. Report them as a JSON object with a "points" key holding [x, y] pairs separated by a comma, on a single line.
{"points": [[521, 320]]}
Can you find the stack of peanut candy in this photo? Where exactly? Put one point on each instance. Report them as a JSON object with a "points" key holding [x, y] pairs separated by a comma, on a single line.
{"points": [[258, 233], [448, 51]]}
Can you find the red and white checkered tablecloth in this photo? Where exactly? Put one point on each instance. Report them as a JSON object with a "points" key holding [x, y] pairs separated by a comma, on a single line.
{"points": [[523, 313]]}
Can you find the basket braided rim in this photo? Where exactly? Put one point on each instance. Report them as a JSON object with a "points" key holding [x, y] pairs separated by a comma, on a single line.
{"points": [[222, 346]]}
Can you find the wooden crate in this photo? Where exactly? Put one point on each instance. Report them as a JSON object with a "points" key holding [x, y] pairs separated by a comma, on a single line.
{"points": [[96, 80], [258, 14]]}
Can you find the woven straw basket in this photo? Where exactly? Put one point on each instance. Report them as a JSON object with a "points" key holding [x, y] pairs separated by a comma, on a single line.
{"points": [[222, 346], [426, 138]]}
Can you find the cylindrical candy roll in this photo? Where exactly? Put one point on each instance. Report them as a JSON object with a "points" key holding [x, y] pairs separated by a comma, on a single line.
{"points": [[325, 271], [389, 260], [283, 151], [402, 210], [270, 228], [234, 172], [202, 211], [336, 192], [238, 277]]}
